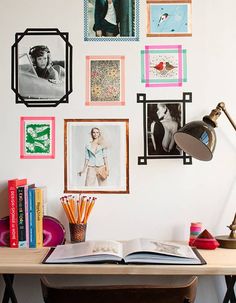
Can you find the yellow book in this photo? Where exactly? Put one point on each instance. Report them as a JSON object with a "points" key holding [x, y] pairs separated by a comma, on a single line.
{"points": [[39, 197]]}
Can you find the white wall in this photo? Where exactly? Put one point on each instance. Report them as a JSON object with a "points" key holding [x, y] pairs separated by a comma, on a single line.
{"points": [[165, 196]]}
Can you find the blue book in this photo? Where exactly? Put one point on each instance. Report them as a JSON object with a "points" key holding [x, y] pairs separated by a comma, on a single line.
{"points": [[32, 222]]}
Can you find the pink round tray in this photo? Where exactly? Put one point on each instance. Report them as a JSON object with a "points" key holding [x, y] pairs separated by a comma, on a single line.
{"points": [[53, 231]]}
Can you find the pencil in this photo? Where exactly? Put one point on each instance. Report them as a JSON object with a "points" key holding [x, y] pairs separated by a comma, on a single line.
{"points": [[82, 208], [65, 205], [86, 211], [89, 210], [71, 212], [77, 208]]}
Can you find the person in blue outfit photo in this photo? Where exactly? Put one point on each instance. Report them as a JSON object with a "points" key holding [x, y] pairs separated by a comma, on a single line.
{"points": [[96, 163], [107, 18]]}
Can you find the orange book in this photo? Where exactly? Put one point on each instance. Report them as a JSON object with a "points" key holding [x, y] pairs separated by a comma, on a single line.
{"points": [[13, 209]]}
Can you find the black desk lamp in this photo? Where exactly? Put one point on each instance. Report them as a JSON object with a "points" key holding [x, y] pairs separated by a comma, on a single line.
{"points": [[198, 139]]}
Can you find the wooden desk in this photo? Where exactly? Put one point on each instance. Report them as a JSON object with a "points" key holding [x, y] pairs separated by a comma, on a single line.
{"points": [[28, 261]]}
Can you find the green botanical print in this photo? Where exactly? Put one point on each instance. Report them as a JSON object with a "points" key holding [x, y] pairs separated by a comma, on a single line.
{"points": [[37, 138]]}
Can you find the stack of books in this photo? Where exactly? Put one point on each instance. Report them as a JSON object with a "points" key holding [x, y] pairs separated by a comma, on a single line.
{"points": [[26, 210]]}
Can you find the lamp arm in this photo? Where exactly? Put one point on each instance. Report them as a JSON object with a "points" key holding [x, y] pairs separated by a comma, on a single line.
{"points": [[232, 226], [221, 105], [215, 114]]}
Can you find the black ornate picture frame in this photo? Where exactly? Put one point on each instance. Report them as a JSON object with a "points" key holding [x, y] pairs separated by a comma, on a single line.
{"points": [[38, 85], [161, 119]]}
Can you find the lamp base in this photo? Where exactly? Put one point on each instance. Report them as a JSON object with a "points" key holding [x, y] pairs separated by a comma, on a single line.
{"points": [[226, 242]]}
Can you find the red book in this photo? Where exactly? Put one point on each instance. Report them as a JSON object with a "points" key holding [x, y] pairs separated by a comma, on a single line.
{"points": [[13, 209]]}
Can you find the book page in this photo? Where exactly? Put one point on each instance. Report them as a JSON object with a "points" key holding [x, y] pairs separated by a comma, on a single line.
{"points": [[86, 249], [153, 246]]}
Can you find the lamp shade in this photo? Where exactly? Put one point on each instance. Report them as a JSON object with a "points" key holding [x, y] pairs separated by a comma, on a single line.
{"points": [[197, 139]]}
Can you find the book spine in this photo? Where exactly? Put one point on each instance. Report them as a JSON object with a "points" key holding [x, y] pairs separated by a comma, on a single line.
{"points": [[26, 215], [39, 216], [32, 227], [13, 214], [45, 204], [21, 217]]}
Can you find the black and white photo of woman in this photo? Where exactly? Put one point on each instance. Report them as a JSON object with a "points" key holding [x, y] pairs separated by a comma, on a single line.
{"points": [[164, 119]]}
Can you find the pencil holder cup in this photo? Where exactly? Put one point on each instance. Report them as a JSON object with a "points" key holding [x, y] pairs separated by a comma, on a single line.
{"points": [[77, 232]]}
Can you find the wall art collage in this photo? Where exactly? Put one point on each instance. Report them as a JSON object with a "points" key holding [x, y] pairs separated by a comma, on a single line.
{"points": [[42, 77]]}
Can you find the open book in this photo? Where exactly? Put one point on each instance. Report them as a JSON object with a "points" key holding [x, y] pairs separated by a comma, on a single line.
{"points": [[133, 251]]}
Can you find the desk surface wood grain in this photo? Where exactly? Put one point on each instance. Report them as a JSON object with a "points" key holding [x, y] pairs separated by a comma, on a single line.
{"points": [[28, 261]]}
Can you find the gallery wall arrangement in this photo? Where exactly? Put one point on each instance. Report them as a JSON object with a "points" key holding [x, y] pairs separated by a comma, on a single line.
{"points": [[90, 106], [96, 150], [40, 79]]}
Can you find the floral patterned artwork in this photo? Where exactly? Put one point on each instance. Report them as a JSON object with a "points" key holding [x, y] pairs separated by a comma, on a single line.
{"points": [[163, 65], [37, 137], [105, 80]]}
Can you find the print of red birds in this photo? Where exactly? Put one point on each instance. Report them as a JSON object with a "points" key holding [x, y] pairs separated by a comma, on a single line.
{"points": [[159, 66], [164, 66]]}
